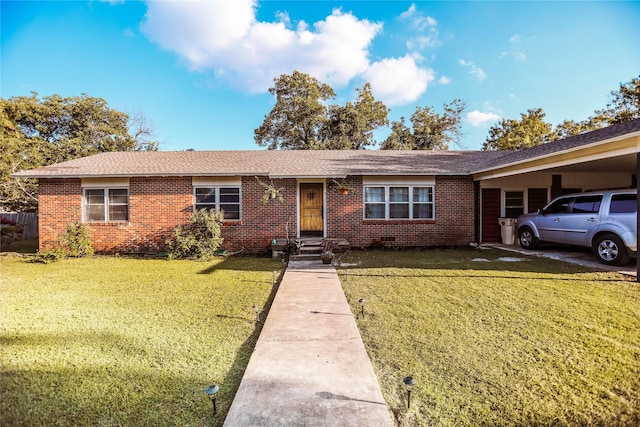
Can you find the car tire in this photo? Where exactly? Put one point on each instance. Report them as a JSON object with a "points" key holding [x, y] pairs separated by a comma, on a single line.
{"points": [[610, 250], [527, 238]]}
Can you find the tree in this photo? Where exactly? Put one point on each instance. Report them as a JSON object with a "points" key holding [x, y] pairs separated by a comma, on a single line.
{"points": [[350, 127], [299, 115], [511, 134], [623, 106], [300, 120], [38, 132], [430, 130]]}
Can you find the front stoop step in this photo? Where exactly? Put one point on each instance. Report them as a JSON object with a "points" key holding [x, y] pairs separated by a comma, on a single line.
{"points": [[309, 251]]}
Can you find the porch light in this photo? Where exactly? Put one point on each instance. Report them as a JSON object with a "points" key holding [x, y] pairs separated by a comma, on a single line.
{"points": [[409, 384], [361, 302], [211, 391]]}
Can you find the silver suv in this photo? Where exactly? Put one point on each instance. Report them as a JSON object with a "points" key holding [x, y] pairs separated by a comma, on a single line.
{"points": [[606, 221]]}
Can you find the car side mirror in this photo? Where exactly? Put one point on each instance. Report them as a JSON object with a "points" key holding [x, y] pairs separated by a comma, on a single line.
{"points": [[541, 211]]}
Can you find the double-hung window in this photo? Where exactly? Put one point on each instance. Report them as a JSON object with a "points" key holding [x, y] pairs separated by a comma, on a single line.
{"points": [[106, 204], [398, 202], [226, 199]]}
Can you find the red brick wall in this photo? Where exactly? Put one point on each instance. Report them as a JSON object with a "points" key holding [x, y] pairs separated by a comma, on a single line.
{"points": [[59, 203], [157, 205], [261, 223], [453, 223]]}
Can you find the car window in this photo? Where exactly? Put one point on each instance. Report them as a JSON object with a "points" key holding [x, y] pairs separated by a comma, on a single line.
{"points": [[623, 203], [586, 204], [559, 206]]}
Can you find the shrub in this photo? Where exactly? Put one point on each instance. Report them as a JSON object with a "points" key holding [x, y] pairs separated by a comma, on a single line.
{"points": [[50, 255], [76, 240], [200, 238]]}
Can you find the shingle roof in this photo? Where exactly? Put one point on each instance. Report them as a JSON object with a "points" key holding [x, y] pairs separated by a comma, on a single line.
{"points": [[320, 163], [611, 132], [276, 163]]}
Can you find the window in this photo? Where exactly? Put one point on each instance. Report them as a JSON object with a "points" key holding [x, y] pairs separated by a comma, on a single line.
{"points": [[106, 204], [623, 203], [226, 199], [513, 204], [398, 202], [586, 204]]}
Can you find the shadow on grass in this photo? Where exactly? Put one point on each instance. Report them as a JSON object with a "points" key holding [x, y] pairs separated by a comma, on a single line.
{"points": [[231, 382], [461, 259], [245, 263]]}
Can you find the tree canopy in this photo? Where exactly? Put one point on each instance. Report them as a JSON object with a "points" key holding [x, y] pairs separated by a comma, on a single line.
{"points": [[532, 130], [429, 130], [511, 134], [301, 120], [41, 131]]}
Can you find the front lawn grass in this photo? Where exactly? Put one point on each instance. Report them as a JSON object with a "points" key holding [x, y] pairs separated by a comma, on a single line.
{"points": [[498, 343], [108, 341]]}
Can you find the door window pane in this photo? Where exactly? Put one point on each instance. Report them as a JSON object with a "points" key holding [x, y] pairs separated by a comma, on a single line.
{"points": [[586, 204]]}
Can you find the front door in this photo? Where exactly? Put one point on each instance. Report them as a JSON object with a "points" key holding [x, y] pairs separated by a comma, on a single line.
{"points": [[311, 208]]}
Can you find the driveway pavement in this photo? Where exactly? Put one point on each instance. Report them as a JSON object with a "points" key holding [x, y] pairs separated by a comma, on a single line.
{"points": [[309, 366], [580, 256]]}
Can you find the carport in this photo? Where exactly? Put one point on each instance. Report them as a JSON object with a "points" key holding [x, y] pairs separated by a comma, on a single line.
{"points": [[523, 181]]}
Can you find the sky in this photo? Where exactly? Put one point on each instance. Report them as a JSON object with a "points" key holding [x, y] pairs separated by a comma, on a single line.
{"points": [[200, 70]]}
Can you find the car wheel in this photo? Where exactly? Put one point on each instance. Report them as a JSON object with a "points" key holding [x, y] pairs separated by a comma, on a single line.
{"points": [[527, 239], [610, 250]]}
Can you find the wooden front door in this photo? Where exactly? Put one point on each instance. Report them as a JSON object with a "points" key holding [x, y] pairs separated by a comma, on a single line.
{"points": [[311, 208]]}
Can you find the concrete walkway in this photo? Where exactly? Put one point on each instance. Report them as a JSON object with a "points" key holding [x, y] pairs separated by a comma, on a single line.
{"points": [[309, 367]]}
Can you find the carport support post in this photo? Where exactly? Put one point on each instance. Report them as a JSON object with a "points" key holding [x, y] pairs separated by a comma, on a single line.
{"points": [[637, 216]]}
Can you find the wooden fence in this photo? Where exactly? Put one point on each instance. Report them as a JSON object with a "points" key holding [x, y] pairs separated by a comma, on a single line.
{"points": [[29, 221]]}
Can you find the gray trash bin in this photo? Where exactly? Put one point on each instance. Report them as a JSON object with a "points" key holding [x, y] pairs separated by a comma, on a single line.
{"points": [[507, 230]]}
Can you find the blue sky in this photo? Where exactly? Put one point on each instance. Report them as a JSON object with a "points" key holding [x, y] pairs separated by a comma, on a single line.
{"points": [[200, 70]]}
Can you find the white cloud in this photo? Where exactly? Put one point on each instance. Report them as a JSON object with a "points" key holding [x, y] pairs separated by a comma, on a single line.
{"points": [[477, 118], [444, 80], [473, 69], [226, 37], [516, 50], [426, 27], [398, 80]]}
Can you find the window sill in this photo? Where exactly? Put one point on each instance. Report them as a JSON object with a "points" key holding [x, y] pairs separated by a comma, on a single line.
{"points": [[107, 223], [397, 221]]}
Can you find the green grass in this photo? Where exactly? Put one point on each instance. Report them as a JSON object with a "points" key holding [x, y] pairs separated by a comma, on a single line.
{"points": [[537, 342], [108, 341]]}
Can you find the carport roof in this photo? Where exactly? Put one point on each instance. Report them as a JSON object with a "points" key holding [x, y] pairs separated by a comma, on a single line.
{"points": [[608, 134]]}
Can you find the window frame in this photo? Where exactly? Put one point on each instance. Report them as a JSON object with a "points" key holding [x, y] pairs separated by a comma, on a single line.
{"points": [[106, 198], [217, 203], [411, 203]]}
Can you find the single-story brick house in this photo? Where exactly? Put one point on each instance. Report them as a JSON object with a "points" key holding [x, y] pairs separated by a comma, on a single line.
{"points": [[133, 200]]}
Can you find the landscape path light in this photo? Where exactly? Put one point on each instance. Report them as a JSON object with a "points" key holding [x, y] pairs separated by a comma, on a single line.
{"points": [[211, 391], [409, 384], [361, 302], [275, 276], [257, 311]]}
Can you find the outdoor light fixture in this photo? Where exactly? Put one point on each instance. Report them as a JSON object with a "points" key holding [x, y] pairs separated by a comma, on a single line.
{"points": [[361, 301], [211, 391], [256, 310], [409, 383], [275, 276]]}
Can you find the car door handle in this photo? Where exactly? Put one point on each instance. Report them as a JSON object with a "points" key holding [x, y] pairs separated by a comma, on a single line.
{"points": [[558, 219], [592, 219]]}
